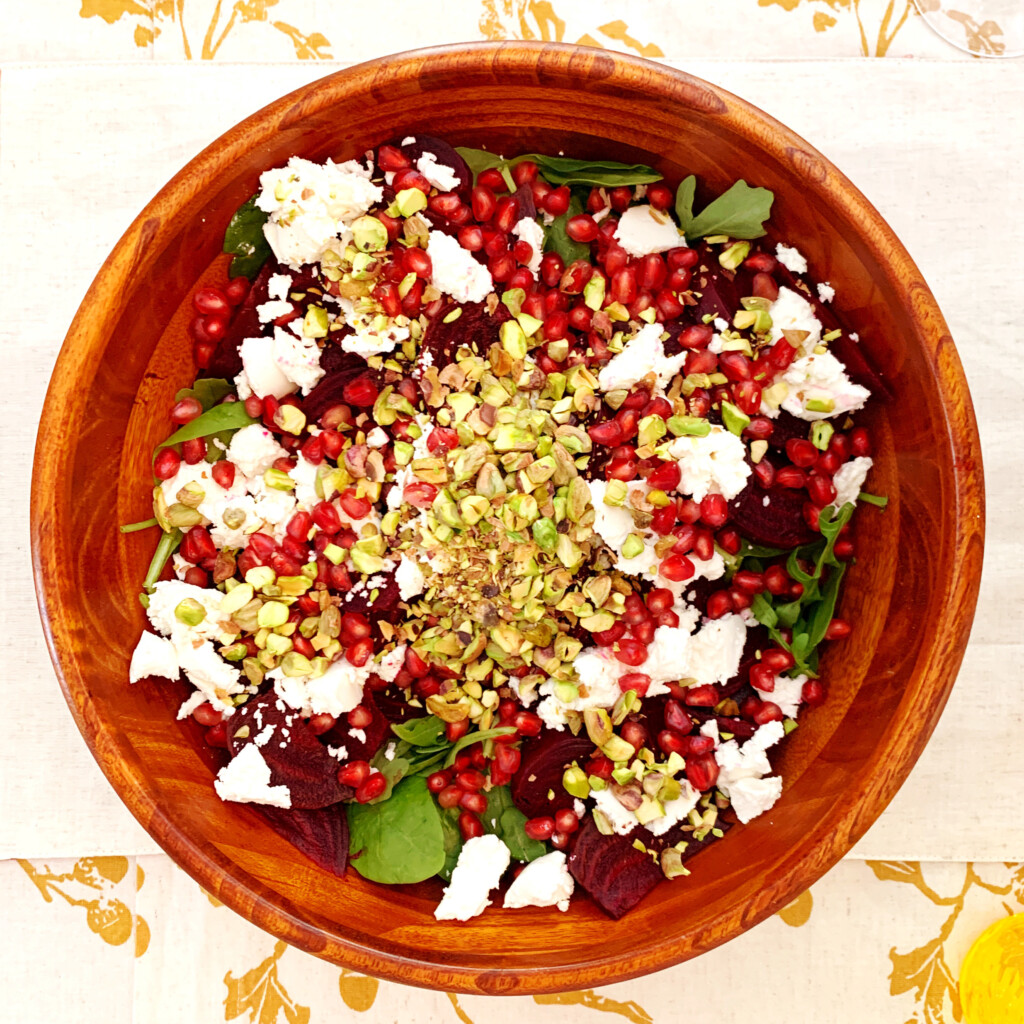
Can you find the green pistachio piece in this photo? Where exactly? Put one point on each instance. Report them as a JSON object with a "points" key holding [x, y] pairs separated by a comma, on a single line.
{"points": [[811, 405], [190, 611], [278, 645], [593, 292], [616, 749], [574, 781], [633, 546], [272, 614], [277, 479], [513, 339], [735, 420], [237, 598], [615, 493], [821, 434], [689, 426], [545, 533], [652, 429], [369, 234], [314, 325], [734, 255], [181, 516], [599, 726], [410, 201]]}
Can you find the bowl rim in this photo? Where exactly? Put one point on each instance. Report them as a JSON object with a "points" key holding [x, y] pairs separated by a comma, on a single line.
{"points": [[873, 790]]}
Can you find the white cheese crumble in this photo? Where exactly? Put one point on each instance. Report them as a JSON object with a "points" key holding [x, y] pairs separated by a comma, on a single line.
{"points": [[245, 779], [409, 577], [792, 312], [744, 772], [643, 354], [336, 692], [614, 523], [544, 882], [642, 230], [849, 480], [278, 286], [273, 309], [787, 694], [455, 272], [621, 820], [374, 334], [153, 656], [390, 664], [261, 375], [821, 378], [675, 810], [482, 861], [253, 450], [312, 205], [298, 359], [442, 177], [529, 231], [792, 259], [715, 464], [826, 293]]}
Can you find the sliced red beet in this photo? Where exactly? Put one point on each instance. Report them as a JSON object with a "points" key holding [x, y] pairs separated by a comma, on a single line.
{"points": [[296, 757], [321, 834], [786, 427], [341, 368], [375, 733], [544, 761], [475, 328], [527, 206], [716, 288], [779, 524]]}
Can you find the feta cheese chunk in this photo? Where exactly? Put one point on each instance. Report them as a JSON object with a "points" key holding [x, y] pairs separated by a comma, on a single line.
{"points": [[614, 523], [482, 862], [826, 293], [821, 379], [715, 464], [245, 779], [336, 692], [374, 334], [642, 230], [787, 693], [792, 259], [849, 480], [792, 312], [442, 177], [455, 271], [278, 286], [529, 231], [261, 375], [298, 359], [676, 810], [544, 882], [153, 656], [643, 354], [253, 450], [743, 770], [312, 205], [409, 577], [621, 820]]}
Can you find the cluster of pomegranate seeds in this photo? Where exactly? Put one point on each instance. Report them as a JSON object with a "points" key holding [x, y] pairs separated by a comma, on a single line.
{"points": [[213, 308]]}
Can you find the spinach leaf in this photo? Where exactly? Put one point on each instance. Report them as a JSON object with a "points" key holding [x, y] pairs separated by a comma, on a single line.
{"points": [[561, 170], [475, 737], [207, 391], [556, 239], [420, 732], [739, 212], [503, 819], [165, 548], [399, 841], [393, 771], [478, 160], [245, 240], [452, 841], [230, 416]]}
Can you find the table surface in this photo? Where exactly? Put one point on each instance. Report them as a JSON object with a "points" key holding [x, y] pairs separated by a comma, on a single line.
{"points": [[99, 107]]}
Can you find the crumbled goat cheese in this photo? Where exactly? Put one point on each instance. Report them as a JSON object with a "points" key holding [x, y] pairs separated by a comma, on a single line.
{"points": [[821, 378], [208, 671], [312, 205], [377, 437], [153, 656], [482, 861], [298, 359], [849, 480], [455, 271], [261, 375], [442, 177], [374, 334], [715, 464], [675, 810], [642, 354], [336, 692], [273, 309], [168, 594], [253, 450], [826, 293], [390, 664], [744, 772], [787, 694], [710, 728], [614, 523], [409, 577], [245, 779], [544, 882], [305, 474], [792, 312], [621, 820], [529, 231], [642, 230], [792, 259], [278, 286], [358, 734]]}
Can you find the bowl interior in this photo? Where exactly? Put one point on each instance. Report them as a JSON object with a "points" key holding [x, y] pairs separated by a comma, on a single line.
{"points": [[910, 598]]}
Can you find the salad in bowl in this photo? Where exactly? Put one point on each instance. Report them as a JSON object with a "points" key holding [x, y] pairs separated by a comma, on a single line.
{"points": [[506, 518]]}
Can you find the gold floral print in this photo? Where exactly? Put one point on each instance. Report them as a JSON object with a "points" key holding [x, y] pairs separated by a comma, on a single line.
{"points": [[980, 38], [592, 1000], [894, 18], [357, 991], [153, 17], [260, 994], [798, 912]]}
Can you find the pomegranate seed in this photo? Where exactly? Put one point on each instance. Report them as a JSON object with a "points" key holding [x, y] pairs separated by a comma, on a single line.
{"points": [[372, 788], [540, 828], [556, 202], [752, 582], [719, 604], [705, 696], [677, 568], [634, 733], [472, 801], [355, 626], [420, 494], [438, 781], [359, 717], [668, 619], [821, 490], [323, 722], [702, 771], [606, 434], [390, 158], [768, 712], [659, 600], [359, 653], [166, 464], [483, 202], [631, 652], [207, 715], [638, 681], [813, 693], [194, 450], [634, 610], [451, 795], [470, 826], [236, 290], [606, 637], [801, 452], [528, 723], [211, 302], [660, 196], [471, 238], [361, 392], [765, 473], [843, 549], [860, 442], [600, 766], [576, 276], [217, 735], [470, 781], [454, 731], [644, 631], [566, 820], [354, 507], [703, 545], [673, 742], [838, 629], [186, 410], [776, 579], [792, 477], [714, 510], [762, 677], [781, 354], [354, 774], [326, 517], [507, 759], [581, 228], [676, 718], [696, 336], [492, 178], [839, 446]]}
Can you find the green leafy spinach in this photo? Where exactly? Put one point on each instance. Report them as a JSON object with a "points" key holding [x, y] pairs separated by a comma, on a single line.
{"points": [[556, 238], [561, 170], [229, 416], [245, 240], [739, 212]]}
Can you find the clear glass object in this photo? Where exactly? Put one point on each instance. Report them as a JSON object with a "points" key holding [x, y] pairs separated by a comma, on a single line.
{"points": [[983, 28]]}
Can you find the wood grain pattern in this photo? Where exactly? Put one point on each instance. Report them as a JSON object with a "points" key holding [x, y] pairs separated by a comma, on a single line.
{"points": [[911, 602]]}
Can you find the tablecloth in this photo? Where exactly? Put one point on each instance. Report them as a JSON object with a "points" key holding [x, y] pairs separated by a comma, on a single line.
{"points": [[102, 101]]}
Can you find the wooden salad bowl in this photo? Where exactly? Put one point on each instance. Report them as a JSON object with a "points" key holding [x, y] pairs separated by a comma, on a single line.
{"points": [[910, 598]]}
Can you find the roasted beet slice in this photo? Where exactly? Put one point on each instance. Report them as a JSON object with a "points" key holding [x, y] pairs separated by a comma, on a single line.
{"points": [[718, 295], [786, 427], [444, 154], [321, 834], [615, 874], [341, 368], [296, 757], [475, 328], [374, 734], [778, 524], [544, 760], [527, 205]]}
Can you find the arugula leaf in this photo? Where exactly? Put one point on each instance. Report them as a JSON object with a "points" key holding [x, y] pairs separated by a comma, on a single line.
{"points": [[399, 841], [452, 841], [879, 500], [826, 607], [556, 239], [762, 609], [207, 391], [165, 548], [245, 240], [420, 732], [230, 416], [739, 212], [503, 819]]}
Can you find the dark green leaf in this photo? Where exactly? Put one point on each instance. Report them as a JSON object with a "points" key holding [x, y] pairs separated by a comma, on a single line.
{"points": [[452, 841], [168, 545], [787, 614], [393, 770], [562, 170], [478, 160], [214, 451], [740, 212], [557, 240], [503, 819], [874, 499], [230, 416], [399, 841], [763, 611], [475, 737], [245, 240], [748, 550], [208, 391], [420, 732], [825, 608]]}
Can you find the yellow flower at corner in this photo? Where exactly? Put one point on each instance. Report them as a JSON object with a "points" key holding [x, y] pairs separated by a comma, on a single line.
{"points": [[992, 975]]}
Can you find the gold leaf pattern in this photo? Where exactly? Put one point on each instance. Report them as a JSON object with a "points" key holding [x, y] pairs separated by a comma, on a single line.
{"points": [[592, 1000], [893, 19], [91, 884], [798, 912], [259, 993], [358, 991]]}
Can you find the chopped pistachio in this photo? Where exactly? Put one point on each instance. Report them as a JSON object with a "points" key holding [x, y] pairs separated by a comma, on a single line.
{"points": [[190, 612], [821, 434], [732, 257], [273, 614], [689, 426], [735, 420]]}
